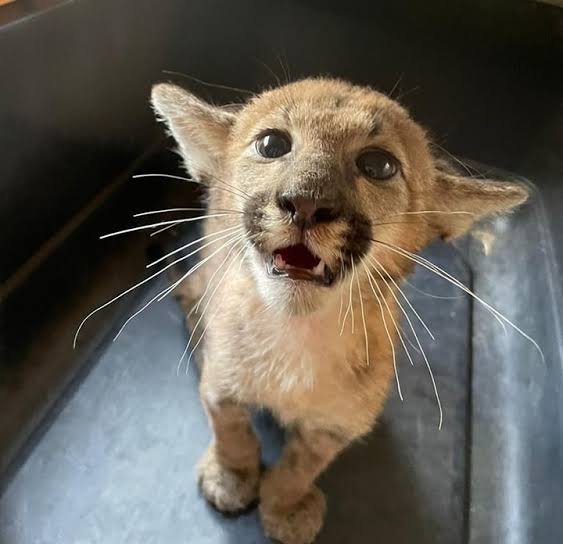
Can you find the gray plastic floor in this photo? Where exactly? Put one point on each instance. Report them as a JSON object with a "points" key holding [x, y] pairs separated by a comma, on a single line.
{"points": [[116, 465]]}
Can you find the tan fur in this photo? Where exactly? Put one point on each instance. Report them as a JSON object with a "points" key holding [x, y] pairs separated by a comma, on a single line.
{"points": [[278, 343]]}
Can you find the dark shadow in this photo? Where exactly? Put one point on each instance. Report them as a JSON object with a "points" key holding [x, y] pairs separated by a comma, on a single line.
{"points": [[374, 495]]}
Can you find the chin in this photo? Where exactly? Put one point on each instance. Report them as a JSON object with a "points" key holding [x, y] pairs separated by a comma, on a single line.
{"points": [[291, 293]]}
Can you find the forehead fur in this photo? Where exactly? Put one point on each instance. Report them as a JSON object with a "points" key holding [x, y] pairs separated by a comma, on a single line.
{"points": [[332, 112], [326, 96]]}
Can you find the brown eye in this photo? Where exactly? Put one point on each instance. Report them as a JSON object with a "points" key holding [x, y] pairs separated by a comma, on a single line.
{"points": [[273, 144], [377, 164]]}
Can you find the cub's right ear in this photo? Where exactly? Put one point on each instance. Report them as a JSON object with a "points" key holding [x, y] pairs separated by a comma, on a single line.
{"points": [[469, 200], [200, 129]]}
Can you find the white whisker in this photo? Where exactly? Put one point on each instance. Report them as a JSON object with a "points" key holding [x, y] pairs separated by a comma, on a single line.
{"points": [[347, 308], [155, 225], [135, 314], [393, 320], [422, 322], [156, 297], [229, 188], [454, 281], [442, 273], [390, 93], [171, 176], [244, 256], [363, 315], [341, 292], [431, 295], [387, 331], [160, 231], [228, 230], [170, 210], [204, 311], [427, 212], [132, 288], [209, 84], [408, 340], [458, 161], [236, 238], [214, 274], [395, 324], [341, 305], [351, 291], [429, 368], [425, 263]]}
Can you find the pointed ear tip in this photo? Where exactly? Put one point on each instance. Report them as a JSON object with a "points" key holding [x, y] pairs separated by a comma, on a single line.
{"points": [[161, 91], [520, 193]]}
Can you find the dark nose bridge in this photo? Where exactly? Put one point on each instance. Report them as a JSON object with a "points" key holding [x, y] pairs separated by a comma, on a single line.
{"points": [[318, 179], [312, 194]]}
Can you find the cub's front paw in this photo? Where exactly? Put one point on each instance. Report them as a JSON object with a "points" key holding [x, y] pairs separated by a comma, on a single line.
{"points": [[229, 491], [298, 524]]}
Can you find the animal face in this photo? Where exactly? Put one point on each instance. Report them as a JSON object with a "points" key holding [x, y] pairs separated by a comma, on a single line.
{"points": [[326, 175]]}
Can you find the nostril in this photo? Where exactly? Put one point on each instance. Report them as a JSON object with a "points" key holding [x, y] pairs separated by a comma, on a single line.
{"points": [[286, 204], [324, 215]]}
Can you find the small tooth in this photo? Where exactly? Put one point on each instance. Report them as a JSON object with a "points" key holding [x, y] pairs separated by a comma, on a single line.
{"points": [[319, 269], [278, 261]]}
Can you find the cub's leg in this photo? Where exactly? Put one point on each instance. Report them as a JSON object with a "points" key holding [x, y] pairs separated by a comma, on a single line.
{"points": [[291, 507], [230, 468]]}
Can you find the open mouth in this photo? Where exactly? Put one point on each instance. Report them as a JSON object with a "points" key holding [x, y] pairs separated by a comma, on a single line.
{"points": [[299, 263]]}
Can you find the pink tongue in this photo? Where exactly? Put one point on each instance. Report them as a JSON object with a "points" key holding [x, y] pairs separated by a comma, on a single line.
{"points": [[298, 256]]}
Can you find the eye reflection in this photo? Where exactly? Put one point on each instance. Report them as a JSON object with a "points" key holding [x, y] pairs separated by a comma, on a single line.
{"points": [[377, 164], [273, 144]]}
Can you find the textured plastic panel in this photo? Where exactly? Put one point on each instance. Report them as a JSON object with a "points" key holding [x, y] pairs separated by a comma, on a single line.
{"points": [[117, 463]]}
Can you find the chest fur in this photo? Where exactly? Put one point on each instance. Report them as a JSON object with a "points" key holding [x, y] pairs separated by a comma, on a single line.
{"points": [[299, 367]]}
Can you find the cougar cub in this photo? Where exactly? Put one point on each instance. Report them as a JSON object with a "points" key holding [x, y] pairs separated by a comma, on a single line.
{"points": [[320, 195]]}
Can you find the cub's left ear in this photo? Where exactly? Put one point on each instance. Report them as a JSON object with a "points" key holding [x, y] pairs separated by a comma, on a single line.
{"points": [[477, 198]]}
